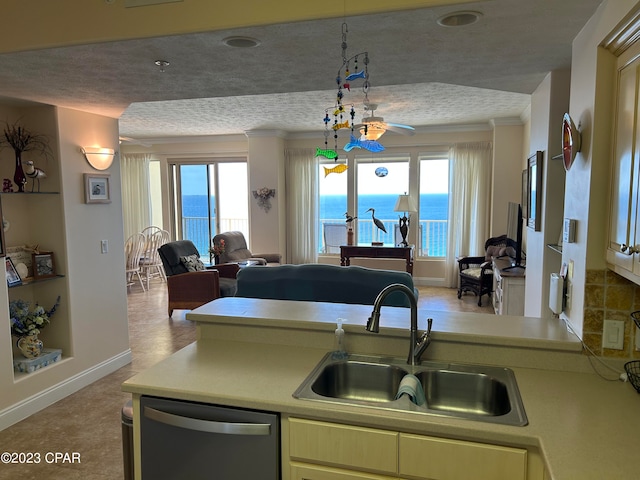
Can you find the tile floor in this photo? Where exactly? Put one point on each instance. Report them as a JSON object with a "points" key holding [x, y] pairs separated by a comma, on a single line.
{"points": [[88, 422]]}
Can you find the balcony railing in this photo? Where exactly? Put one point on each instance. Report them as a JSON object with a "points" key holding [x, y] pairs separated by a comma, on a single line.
{"points": [[432, 241]]}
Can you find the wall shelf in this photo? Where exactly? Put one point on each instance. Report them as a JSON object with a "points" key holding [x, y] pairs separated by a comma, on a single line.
{"points": [[29, 193], [40, 280]]}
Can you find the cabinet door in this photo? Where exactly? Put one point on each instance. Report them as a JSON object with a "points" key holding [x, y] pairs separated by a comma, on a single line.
{"points": [[301, 471], [441, 459], [347, 446], [624, 178]]}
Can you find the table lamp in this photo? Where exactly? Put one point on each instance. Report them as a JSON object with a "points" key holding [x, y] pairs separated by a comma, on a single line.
{"points": [[404, 204]]}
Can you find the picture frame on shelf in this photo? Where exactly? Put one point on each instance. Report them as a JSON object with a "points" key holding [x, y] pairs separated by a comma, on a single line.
{"points": [[13, 279], [97, 188], [43, 265]]}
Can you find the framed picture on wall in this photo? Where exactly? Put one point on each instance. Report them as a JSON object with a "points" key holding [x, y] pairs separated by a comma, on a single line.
{"points": [[97, 188]]}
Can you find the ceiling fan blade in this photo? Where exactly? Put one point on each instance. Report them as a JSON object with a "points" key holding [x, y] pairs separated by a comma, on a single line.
{"points": [[133, 141], [401, 129]]}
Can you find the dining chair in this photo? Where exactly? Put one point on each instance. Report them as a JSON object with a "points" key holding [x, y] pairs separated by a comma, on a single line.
{"points": [[133, 250], [150, 262]]}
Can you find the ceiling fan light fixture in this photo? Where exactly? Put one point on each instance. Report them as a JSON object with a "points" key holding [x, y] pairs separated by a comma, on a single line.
{"points": [[371, 132], [241, 42], [459, 19]]}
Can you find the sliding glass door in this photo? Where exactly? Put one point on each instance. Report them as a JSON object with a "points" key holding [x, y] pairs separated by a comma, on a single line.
{"points": [[210, 197]]}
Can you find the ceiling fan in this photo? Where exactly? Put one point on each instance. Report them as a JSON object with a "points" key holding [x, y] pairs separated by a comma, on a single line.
{"points": [[372, 127]]}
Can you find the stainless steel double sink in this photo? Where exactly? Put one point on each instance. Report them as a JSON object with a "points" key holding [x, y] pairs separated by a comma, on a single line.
{"points": [[476, 392]]}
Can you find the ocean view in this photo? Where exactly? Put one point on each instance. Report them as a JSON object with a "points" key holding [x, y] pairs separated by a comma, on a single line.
{"points": [[433, 213]]}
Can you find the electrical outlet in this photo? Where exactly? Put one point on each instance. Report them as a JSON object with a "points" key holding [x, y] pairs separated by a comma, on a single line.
{"points": [[104, 246], [613, 334]]}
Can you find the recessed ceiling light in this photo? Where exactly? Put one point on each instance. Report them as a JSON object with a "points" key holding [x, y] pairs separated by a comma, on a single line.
{"points": [[459, 19], [241, 42]]}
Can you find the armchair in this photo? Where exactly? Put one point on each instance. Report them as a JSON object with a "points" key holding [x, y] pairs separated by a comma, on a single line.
{"points": [[189, 282], [476, 273], [236, 250]]}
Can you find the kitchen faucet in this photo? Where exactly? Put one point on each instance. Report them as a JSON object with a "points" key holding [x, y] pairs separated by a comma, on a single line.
{"points": [[417, 347]]}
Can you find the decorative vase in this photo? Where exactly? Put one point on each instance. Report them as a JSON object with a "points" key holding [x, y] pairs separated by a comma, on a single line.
{"points": [[19, 177], [30, 346], [216, 259]]}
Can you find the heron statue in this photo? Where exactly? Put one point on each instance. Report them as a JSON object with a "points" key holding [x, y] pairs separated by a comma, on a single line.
{"points": [[377, 222]]}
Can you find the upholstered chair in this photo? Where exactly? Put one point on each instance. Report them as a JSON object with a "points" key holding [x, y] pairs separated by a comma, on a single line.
{"points": [[236, 250], [476, 273], [189, 281]]}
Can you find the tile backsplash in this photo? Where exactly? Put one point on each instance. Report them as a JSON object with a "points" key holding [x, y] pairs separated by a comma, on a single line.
{"points": [[608, 296]]}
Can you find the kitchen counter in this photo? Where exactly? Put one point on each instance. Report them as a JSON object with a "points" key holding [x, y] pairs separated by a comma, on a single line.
{"points": [[249, 355]]}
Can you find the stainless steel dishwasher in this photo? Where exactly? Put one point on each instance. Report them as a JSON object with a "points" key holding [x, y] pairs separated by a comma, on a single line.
{"points": [[188, 440]]}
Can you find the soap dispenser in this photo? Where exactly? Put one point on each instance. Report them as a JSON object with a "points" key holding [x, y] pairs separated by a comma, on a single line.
{"points": [[339, 352]]}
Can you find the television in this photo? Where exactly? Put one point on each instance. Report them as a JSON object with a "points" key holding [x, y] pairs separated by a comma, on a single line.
{"points": [[514, 233]]}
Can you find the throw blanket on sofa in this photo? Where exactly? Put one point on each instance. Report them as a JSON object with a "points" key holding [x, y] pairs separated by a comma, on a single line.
{"points": [[322, 283]]}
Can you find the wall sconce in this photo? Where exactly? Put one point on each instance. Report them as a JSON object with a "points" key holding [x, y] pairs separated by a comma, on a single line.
{"points": [[98, 157]]}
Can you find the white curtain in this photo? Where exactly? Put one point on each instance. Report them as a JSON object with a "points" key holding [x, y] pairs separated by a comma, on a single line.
{"points": [[302, 205], [469, 206], [136, 201]]}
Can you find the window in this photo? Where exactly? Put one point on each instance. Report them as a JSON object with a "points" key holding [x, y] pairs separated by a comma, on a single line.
{"points": [[376, 183], [210, 197], [332, 187], [434, 205], [379, 182]]}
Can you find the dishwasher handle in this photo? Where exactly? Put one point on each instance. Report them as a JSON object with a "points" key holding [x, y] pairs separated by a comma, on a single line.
{"points": [[209, 426]]}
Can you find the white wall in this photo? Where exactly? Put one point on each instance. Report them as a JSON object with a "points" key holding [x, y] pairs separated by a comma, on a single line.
{"points": [[548, 104], [97, 286]]}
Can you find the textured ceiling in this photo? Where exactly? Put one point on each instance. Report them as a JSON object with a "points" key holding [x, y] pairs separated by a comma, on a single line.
{"points": [[421, 74]]}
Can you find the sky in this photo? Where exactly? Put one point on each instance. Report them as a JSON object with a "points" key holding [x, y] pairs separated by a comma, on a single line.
{"points": [[396, 181]]}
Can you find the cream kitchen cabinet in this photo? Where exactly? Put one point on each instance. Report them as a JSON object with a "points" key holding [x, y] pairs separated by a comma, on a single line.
{"points": [[328, 451], [624, 223]]}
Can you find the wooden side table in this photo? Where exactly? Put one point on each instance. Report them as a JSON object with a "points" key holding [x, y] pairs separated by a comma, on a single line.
{"points": [[367, 251]]}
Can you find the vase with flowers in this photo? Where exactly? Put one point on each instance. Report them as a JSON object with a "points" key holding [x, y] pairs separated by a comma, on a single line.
{"points": [[22, 140], [26, 323], [216, 250]]}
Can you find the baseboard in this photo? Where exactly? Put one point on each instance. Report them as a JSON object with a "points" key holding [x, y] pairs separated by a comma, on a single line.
{"points": [[428, 282], [21, 410]]}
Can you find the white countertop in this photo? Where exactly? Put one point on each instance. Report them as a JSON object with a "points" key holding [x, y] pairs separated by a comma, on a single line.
{"points": [[585, 427]]}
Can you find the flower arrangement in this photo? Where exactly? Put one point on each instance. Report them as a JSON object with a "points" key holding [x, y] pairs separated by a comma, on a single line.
{"points": [[22, 140], [218, 248], [263, 195], [26, 321]]}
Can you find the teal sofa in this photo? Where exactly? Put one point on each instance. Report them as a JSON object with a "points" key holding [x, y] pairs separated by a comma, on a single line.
{"points": [[316, 282]]}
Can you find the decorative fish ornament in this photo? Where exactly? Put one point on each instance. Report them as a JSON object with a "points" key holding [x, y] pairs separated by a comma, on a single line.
{"points": [[341, 167], [356, 75], [371, 145], [338, 126], [330, 154]]}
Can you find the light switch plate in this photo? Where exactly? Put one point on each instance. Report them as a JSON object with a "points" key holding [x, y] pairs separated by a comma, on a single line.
{"points": [[613, 334]]}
